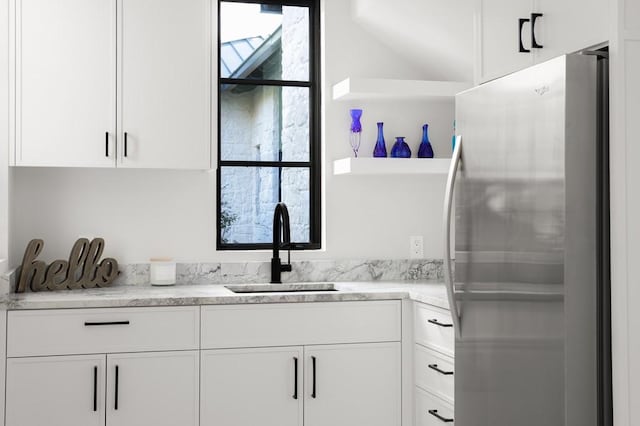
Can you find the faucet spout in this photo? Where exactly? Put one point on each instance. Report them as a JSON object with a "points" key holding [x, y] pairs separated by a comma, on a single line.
{"points": [[281, 228]]}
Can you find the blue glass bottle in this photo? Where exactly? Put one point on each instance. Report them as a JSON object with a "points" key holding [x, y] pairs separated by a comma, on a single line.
{"points": [[400, 149], [425, 150], [356, 130], [453, 138], [380, 150]]}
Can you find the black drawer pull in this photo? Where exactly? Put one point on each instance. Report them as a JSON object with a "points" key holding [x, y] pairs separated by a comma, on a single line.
{"points": [[295, 378], [100, 323], [313, 363], [438, 323], [521, 23], [534, 42], [95, 388], [126, 144], [115, 396], [439, 417], [106, 144], [435, 367]]}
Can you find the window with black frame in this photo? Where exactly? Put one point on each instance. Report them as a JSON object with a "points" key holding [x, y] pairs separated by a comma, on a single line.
{"points": [[268, 127]]}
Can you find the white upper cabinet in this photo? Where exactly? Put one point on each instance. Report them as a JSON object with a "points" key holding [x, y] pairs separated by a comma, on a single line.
{"points": [[65, 83], [497, 37], [571, 25], [505, 27], [113, 83], [165, 83]]}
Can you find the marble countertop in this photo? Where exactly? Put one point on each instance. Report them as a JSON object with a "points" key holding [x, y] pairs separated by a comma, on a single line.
{"points": [[431, 292]]}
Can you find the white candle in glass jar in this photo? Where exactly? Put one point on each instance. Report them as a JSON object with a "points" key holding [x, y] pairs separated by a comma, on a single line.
{"points": [[162, 271]]}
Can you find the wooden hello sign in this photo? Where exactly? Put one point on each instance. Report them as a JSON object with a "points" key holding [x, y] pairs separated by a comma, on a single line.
{"points": [[82, 270]]}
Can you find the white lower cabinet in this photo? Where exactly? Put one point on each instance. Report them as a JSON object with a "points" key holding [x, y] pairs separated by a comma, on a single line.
{"points": [[346, 384], [434, 372], [433, 366], [103, 367], [348, 364], [56, 390], [153, 388], [112, 367], [431, 410], [357, 384], [255, 386]]}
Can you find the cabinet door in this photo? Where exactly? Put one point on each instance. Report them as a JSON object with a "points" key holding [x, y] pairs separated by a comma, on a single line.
{"points": [[165, 83], [348, 385], [65, 83], [497, 37], [153, 388], [249, 387], [61, 390], [570, 25]]}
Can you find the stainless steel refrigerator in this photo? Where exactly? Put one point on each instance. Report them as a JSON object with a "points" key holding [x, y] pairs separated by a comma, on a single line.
{"points": [[527, 200]]}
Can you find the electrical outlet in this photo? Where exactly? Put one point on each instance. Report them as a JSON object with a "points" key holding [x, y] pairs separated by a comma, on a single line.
{"points": [[416, 247]]}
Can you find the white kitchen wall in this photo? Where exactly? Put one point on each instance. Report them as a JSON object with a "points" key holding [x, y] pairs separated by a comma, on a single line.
{"points": [[4, 135], [145, 213]]}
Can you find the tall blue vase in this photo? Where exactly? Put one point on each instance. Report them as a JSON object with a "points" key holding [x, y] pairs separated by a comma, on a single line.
{"points": [[380, 150], [425, 150], [400, 149]]}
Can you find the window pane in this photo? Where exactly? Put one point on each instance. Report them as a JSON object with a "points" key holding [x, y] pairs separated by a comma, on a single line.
{"points": [[259, 122], [249, 196], [264, 42], [295, 194]]}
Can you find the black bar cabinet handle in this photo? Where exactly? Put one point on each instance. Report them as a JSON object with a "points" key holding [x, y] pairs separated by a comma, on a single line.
{"points": [[521, 23], [95, 388], [313, 366], [436, 368], [106, 144], [101, 323], [295, 378], [115, 404], [126, 144], [439, 417], [438, 323], [534, 42]]}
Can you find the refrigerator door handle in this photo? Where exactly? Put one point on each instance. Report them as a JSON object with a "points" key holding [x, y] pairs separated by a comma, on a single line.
{"points": [[448, 202]]}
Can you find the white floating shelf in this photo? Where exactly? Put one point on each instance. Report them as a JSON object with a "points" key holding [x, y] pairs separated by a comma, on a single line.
{"points": [[391, 166], [377, 88]]}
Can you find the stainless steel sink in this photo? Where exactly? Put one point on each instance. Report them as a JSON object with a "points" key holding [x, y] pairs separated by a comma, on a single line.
{"points": [[281, 288]]}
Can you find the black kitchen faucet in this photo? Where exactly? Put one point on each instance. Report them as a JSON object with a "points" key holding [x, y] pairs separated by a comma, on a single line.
{"points": [[280, 226]]}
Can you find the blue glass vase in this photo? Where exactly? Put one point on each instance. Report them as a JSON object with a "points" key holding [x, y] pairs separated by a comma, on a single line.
{"points": [[400, 149], [453, 138], [356, 130], [380, 150], [425, 150]]}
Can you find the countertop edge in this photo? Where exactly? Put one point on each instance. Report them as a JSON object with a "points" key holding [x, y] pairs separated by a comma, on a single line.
{"points": [[433, 293]]}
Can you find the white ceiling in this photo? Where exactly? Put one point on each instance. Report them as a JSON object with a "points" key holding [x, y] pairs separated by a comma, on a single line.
{"points": [[435, 35]]}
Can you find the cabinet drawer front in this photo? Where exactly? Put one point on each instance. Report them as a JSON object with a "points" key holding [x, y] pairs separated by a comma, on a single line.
{"points": [[434, 372], [299, 324], [84, 331], [429, 407], [433, 328]]}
